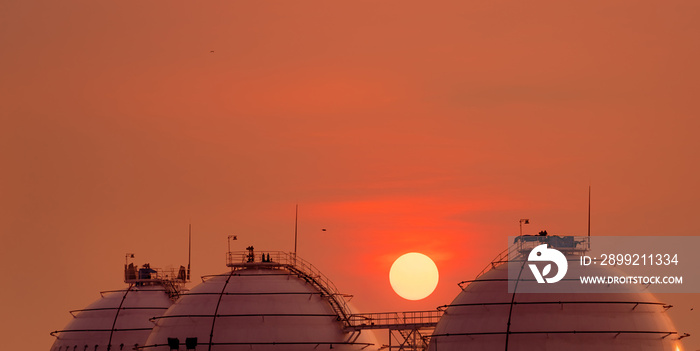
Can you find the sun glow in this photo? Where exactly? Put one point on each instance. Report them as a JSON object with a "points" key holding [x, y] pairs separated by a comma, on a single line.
{"points": [[413, 276]]}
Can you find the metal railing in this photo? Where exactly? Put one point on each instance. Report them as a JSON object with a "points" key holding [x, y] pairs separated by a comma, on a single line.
{"points": [[566, 244], [158, 274], [297, 266], [172, 280], [501, 258], [395, 320]]}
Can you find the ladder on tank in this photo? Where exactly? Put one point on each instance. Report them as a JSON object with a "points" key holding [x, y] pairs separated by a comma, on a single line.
{"points": [[298, 267], [335, 299], [407, 330]]}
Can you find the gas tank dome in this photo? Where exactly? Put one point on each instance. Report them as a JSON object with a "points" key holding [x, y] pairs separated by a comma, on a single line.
{"points": [[485, 316], [272, 302], [119, 320]]}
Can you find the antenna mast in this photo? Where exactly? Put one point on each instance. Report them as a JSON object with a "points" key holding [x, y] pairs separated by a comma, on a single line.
{"points": [[589, 211], [189, 253], [296, 222]]}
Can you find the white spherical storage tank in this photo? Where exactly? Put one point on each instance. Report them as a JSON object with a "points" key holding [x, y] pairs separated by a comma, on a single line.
{"points": [[119, 320], [485, 316], [273, 302]]}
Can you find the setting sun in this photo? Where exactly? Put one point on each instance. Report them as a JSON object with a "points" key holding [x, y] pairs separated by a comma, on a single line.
{"points": [[413, 276]]}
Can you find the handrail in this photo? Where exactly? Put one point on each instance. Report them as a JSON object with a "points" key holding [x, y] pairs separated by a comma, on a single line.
{"points": [[298, 266], [398, 320], [497, 261], [55, 332], [524, 242], [73, 312], [158, 274]]}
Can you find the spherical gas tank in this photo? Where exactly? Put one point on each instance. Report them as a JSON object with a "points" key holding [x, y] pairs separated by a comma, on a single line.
{"points": [[486, 317], [255, 308], [119, 320]]}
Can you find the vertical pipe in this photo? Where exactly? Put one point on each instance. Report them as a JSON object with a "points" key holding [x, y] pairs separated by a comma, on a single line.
{"points": [[296, 222], [189, 253], [589, 211]]}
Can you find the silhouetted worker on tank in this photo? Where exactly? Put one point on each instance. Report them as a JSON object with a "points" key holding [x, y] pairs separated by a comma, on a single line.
{"points": [[251, 254]]}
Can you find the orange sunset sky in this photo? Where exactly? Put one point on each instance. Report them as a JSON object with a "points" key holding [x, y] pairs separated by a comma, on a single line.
{"points": [[398, 126]]}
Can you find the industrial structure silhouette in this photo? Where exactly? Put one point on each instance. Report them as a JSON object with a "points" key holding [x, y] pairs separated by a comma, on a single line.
{"points": [[275, 300]]}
